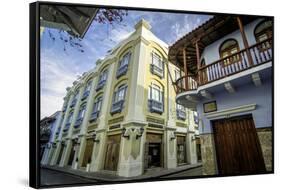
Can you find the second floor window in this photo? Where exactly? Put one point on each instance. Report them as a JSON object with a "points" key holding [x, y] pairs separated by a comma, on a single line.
{"points": [[68, 121], [96, 109], [87, 90], [181, 114], [74, 101], [102, 79], [155, 99], [123, 65], [80, 116], [157, 65], [118, 99], [228, 48], [263, 31]]}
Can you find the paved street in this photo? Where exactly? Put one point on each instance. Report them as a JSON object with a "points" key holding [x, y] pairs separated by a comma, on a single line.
{"points": [[53, 177], [187, 173], [50, 177]]}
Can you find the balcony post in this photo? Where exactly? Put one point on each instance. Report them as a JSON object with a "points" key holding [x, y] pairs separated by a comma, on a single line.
{"points": [[198, 61], [245, 41], [185, 68]]}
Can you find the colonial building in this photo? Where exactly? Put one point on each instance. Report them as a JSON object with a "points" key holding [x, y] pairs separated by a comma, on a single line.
{"points": [[47, 127], [122, 115], [226, 67]]}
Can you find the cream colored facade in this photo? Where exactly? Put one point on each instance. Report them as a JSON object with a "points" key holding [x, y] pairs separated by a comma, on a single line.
{"points": [[138, 132]]}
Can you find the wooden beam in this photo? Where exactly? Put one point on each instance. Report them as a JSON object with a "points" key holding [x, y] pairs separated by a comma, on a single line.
{"points": [[198, 61], [185, 68], [245, 41]]}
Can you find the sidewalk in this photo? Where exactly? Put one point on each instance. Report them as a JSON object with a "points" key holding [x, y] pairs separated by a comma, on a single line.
{"points": [[105, 176]]}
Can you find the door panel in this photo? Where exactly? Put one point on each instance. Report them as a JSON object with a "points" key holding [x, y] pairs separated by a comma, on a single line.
{"points": [[237, 146], [88, 152], [112, 152], [71, 156]]}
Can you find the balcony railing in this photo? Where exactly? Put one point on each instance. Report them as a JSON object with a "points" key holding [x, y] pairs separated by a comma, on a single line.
{"points": [[155, 106], [94, 116], [181, 114], [85, 95], [73, 103], [259, 53], [157, 70], [78, 122], [117, 107], [100, 84], [122, 71]]}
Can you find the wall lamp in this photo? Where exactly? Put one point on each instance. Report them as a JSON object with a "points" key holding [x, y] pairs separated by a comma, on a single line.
{"points": [[94, 136], [141, 130], [124, 133]]}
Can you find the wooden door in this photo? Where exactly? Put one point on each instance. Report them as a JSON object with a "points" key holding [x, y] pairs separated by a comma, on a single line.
{"points": [[72, 153], [237, 146], [112, 152], [88, 152]]}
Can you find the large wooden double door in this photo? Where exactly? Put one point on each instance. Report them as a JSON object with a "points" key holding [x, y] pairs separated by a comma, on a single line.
{"points": [[112, 152], [88, 152], [237, 146]]}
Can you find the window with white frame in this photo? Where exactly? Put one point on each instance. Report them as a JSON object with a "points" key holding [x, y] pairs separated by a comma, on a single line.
{"points": [[81, 112], [157, 66], [103, 75], [155, 93], [97, 105], [88, 86], [157, 60], [69, 119], [125, 60], [120, 94]]}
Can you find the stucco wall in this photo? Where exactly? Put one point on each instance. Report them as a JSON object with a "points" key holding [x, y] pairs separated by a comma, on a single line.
{"points": [[244, 95]]}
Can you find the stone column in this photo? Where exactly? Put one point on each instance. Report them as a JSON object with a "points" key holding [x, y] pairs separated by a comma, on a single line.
{"points": [[67, 150], [98, 151], [57, 150], [131, 151], [84, 125], [136, 99], [171, 147]]}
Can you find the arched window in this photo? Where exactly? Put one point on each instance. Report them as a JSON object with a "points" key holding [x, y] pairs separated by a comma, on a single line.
{"points": [[96, 108], [80, 116], [118, 99], [228, 48], [155, 98], [263, 31]]}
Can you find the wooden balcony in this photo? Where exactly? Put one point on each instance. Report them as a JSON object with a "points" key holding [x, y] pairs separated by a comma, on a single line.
{"points": [[245, 59]]}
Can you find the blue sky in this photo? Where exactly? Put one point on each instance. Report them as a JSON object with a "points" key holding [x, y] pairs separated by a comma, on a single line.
{"points": [[60, 68]]}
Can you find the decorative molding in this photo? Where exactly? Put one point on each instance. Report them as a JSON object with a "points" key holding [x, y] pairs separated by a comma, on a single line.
{"points": [[228, 112], [229, 87], [155, 120], [180, 124], [256, 79], [115, 120]]}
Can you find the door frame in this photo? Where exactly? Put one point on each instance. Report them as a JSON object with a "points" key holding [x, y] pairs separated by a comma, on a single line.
{"points": [[216, 156]]}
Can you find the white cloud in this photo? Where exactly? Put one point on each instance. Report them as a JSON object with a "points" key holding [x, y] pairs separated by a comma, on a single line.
{"points": [[55, 77]]}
